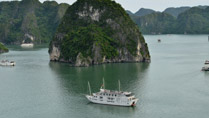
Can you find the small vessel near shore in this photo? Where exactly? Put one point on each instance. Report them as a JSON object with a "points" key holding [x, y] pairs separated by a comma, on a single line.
{"points": [[205, 68], [7, 63], [28, 41], [27, 45], [109, 97], [206, 62]]}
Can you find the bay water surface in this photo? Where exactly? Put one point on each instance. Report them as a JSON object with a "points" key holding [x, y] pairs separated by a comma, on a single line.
{"points": [[171, 86]]}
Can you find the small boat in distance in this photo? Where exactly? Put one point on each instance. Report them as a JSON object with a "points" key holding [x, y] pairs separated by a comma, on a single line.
{"points": [[159, 40], [109, 97], [205, 68], [27, 45], [206, 62], [28, 41], [7, 63]]}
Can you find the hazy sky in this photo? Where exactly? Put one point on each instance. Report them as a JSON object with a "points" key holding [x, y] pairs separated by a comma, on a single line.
{"points": [[159, 5]]}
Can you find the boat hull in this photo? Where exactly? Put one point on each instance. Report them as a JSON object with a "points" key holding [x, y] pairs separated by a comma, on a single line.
{"points": [[205, 69], [7, 64], [125, 104]]}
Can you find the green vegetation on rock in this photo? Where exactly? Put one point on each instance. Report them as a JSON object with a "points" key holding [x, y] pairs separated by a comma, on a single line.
{"points": [[156, 23], [175, 11], [20, 20], [143, 12], [82, 41], [192, 21], [100, 30], [3, 48]]}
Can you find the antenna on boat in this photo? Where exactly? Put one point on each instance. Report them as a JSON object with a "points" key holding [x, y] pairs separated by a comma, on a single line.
{"points": [[89, 88], [119, 85], [103, 83]]}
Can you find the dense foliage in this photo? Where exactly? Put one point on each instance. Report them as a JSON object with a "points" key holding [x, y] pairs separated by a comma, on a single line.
{"points": [[83, 39], [192, 21], [156, 23], [3, 48], [143, 12], [175, 11], [113, 29], [29, 17]]}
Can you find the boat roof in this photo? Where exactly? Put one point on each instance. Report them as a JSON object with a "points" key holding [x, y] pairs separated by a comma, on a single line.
{"points": [[113, 92]]}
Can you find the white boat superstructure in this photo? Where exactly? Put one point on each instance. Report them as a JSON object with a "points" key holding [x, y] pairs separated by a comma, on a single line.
{"points": [[110, 97], [27, 45], [7, 63], [206, 67]]}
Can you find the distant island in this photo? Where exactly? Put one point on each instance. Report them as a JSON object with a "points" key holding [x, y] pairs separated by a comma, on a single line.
{"points": [[182, 20], [3, 49], [29, 20], [35, 22], [96, 32]]}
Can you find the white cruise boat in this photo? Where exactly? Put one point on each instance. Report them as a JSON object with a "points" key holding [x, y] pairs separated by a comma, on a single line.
{"points": [[7, 63], [110, 97]]}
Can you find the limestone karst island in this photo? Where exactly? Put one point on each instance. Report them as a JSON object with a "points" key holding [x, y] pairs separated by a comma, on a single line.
{"points": [[96, 32]]}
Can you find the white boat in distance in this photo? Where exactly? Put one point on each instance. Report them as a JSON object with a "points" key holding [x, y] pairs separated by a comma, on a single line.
{"points": [[7, 63], [27, 45], [205, 68], [109, 97], [206, 62]]}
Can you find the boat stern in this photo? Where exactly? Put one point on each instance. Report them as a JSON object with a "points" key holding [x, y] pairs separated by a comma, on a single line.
{"points": [[133, 102]]}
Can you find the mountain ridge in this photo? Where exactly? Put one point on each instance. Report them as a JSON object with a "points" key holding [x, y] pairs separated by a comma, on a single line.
{"points": [[191, 21]]}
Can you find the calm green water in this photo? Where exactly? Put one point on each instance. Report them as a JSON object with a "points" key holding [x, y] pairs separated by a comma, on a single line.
{"points": [[171, 86]]}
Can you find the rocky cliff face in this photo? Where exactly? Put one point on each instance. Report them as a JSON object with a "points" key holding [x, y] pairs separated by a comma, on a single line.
{"points": [[20, 19], [96, 32]]}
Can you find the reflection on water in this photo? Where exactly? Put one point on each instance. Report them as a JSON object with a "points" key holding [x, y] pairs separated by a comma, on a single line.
{"points": [[74, 80], [116, 110], [131, 76]]}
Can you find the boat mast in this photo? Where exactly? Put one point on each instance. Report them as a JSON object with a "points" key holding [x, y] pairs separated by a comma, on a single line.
{"points": [[103, 83], [119, 85], [89, 88]]}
